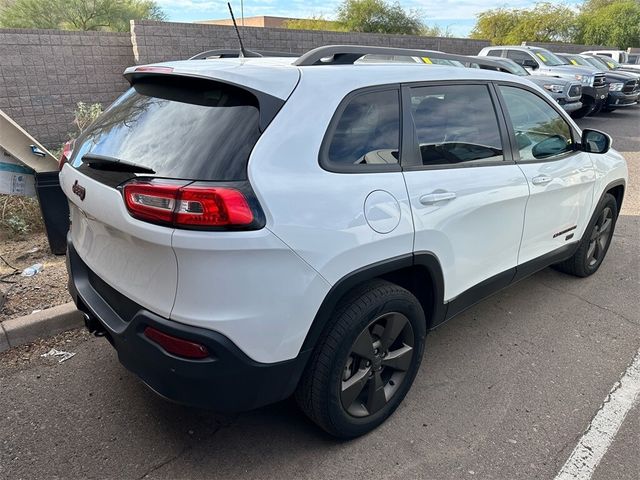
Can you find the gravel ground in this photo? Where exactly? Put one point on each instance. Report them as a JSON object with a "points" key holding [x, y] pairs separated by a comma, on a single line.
{"points": [[26, 294]]}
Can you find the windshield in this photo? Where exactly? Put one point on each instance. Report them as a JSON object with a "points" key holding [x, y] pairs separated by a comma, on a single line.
{"points": [[442, 61], [610, 62], [178, 127], [514, 68], [548, 58], [597, 62], [578, 60]]}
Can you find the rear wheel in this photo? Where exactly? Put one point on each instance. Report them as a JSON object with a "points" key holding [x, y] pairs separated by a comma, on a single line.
{"points": [[595, 241], [365, 362]]}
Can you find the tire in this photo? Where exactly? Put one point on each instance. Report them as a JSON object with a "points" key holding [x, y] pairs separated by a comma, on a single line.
{"points": [[582, 111], [595, 242], [597, 108], [352, 384]]}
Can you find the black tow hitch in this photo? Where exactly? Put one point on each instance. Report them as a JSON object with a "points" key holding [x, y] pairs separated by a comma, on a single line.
{"points": [[94, 326]]}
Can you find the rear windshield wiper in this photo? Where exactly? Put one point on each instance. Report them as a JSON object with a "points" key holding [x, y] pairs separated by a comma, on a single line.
{"points": [[103, 162]]}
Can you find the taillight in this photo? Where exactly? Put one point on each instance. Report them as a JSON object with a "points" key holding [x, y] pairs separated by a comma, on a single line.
{"points": [[67, 150], [177, 346], [190, 205]]}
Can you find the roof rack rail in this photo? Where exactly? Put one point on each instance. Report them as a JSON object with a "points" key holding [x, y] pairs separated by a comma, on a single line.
{"points": [[348, 54], [227, 53]]}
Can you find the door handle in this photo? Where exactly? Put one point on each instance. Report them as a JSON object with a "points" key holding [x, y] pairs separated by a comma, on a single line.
{"points": [[436, 197], [541, 180]]}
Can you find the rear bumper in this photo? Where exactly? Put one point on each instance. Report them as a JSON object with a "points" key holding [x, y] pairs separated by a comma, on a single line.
{"points": [[227, 381]]}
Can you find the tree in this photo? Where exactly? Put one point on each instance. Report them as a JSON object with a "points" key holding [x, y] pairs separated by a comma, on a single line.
{"points": [[545, 22], [111, 15], [495, 25], [315, 23], [378, 16], [615, 23]]}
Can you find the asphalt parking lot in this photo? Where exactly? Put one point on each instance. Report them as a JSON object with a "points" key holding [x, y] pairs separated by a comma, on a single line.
{"points": [[506, 390]]}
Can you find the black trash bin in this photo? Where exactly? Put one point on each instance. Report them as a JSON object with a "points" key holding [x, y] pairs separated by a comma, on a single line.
{"points": [[55, 210]]}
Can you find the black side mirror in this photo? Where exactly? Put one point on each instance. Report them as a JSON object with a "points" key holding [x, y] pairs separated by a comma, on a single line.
{"points": [[554, 145], [595, 141], [529, 63]]}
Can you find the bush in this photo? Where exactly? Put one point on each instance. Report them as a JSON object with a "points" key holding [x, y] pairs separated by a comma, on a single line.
{"points": [[19, 216]]}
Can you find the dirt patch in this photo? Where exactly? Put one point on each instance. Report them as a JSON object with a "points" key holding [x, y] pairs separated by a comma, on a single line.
{"points": [[26, 294], [25, 356]]}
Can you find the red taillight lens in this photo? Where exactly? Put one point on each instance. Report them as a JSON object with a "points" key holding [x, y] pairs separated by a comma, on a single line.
{"points": [[212, 207], [189, 206], [152, 202], [175, 345], [67, 150]]}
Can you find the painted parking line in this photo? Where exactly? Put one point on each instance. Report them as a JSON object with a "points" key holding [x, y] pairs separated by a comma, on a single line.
{"points": [[605, 425]]}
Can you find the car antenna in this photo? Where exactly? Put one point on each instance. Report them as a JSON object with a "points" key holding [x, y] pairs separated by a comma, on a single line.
{"points": [[243, 52]]}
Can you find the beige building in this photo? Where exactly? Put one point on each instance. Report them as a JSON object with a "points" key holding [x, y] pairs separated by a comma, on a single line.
{"points": [[262, 21]]}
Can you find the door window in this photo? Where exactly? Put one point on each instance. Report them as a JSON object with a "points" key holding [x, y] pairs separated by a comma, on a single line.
{"points": [[456, 124], [541, 132]]}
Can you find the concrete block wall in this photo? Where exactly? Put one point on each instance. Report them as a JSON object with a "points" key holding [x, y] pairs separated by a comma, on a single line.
{"points": [[44, 73], [161, 41]]}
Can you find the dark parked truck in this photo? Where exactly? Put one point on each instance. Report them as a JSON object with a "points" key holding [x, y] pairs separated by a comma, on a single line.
{"points": [[540, 61], [566, 92], [623, 87]]}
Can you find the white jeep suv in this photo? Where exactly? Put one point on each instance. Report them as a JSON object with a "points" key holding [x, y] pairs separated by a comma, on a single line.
{"points": [[248, 228]]}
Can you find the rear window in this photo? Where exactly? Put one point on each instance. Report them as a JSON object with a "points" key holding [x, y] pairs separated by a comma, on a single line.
{"points": [[180, 128]]}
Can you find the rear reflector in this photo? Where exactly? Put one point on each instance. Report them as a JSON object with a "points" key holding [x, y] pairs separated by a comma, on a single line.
{"points": [[186, 205], [177, 346]]}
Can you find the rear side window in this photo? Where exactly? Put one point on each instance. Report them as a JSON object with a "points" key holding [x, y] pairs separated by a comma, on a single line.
{"points": [[180, 128], [494, 53], [456, 124], [366, 132]]}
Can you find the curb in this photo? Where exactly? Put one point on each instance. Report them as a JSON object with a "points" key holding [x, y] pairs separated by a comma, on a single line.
{"points": [[45, 323]]}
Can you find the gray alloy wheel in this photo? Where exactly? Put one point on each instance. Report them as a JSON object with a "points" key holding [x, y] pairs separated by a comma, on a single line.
{"points": [[600, 237], [377, 364], [365, 360], [595, 241]]}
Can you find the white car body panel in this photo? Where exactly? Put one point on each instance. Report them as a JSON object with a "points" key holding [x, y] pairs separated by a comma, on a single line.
{"points": [[132, 256], [250, 287], [262, 289], [563, 203], [477, 234]]}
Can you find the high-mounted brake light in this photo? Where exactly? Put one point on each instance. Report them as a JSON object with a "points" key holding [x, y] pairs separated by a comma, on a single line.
{"points": [[67, 150], [185, 205], [177, 346], [152, 69]]}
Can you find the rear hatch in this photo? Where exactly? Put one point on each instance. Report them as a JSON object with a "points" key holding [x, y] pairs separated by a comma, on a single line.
{"points": [[166, 130]]}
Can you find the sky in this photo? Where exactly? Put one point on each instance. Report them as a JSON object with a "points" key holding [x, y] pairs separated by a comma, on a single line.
{"points": [[456, 15]]}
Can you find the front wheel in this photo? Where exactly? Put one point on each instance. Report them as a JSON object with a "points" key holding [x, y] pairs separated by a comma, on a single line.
{"points": [[586, 109], [365, 361], [595, 241]]}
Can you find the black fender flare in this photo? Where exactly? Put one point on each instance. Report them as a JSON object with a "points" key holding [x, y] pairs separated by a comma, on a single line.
{"points": [[426, 260]]}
